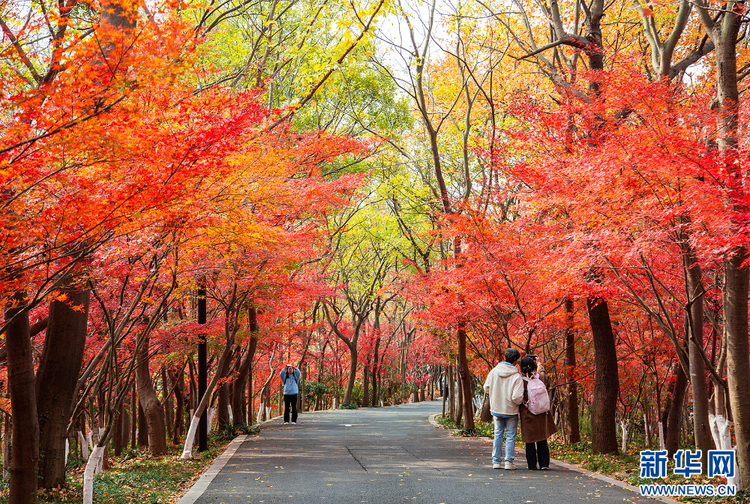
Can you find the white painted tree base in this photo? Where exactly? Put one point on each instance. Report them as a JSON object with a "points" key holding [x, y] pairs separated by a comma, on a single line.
{"points": [[94, 462], [84, 446], [187, 451]]}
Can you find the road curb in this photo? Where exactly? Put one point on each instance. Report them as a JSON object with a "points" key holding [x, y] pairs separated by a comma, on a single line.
{"points": [[571, 467]]}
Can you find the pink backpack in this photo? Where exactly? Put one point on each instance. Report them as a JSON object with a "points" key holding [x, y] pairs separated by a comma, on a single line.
{"points": [[537, 397]]}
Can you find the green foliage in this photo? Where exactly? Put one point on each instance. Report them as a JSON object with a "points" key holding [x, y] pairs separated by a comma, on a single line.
{"points": [[351, 405], [314, 390]]}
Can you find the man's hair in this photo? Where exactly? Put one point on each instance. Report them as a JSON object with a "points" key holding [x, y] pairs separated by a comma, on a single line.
{"points": [[512, 355]]}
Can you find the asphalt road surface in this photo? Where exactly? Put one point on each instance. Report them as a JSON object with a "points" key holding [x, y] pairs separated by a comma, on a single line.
{"points": [[388, 455]]}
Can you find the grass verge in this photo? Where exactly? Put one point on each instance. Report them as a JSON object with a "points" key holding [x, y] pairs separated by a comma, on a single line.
{"points": [[136, 477]]}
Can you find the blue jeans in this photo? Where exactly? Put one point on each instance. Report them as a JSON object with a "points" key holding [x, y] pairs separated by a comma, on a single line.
{"points": [[507, 424]]}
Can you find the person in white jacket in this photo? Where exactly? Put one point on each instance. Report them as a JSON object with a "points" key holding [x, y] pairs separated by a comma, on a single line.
{"points": [[505, 388]]}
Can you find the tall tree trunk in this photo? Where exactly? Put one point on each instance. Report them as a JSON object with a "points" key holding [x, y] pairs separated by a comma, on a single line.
{"points": [[375, 358], [606, 385], [21, 385], [724, 31], [135, 415], [56, 379], [119, 425], [238, 392], [672, 409], [571, 402], [466, 392], [168, 403], [366, 384], [149, 401], [694, 332], [250, 396], [222, 408], [178, 384], [460, 401], [451, 394], [738, 364], [352, 373]]}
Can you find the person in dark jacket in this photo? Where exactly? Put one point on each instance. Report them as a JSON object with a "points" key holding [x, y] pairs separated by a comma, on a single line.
{"points": [[290, 378], [535, 429]]}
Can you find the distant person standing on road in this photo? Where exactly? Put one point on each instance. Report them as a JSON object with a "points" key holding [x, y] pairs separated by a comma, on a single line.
{"points": [[535, 429], [505, 388], [290, 378]]}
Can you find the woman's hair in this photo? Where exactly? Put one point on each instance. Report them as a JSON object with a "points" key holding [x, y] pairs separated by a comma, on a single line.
{"points": [[528, 365]]}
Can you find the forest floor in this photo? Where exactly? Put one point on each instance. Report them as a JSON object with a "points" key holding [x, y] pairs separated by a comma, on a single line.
{"points": [[135, 476]]}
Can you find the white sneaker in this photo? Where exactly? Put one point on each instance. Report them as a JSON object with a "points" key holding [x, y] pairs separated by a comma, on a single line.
{"points": [[497, 466], [294, 423], [286, 423], [509, 466]]}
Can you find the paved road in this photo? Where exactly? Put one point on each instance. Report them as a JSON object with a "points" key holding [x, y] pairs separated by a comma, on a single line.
{"points": [[383, 456]]}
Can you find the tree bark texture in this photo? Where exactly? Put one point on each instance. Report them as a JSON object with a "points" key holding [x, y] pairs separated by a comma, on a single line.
{"points": [[672, 409], [222, 408], [606, 385], [571, 401], [57, 375], [467, 393], [738, 364], [353, 353], [366, 385], [178, 383], [238, 392], [152, 408], [451, 394], [724, 33], [694, 330], [21, 385]]}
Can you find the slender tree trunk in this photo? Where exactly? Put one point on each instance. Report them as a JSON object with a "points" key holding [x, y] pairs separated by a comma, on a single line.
{"points": [[460, 401], [56, 380], [126, 421], [451, 394], [152, 407], [606, 385], [352, 373], [466, 392], [238, 392], [168, 403], [672, 409], [375, 367], [694, 332], [570, 365], [366, 385], [134, 417], [250, 395], [178, 383]]}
